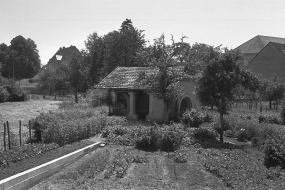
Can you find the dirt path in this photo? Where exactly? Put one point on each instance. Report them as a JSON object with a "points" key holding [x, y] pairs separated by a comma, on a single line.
{"points": [[15, 111]]}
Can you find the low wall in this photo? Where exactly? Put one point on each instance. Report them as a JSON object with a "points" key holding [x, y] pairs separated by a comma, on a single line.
{"points": [[31, 177]]}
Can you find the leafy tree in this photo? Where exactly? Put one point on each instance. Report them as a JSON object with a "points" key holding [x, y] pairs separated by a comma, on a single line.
{"points": [[117, 48], [94, 55], [164, 81], [219, 80], [274, 90], [75, 75], [21, 58], [47, 79]]}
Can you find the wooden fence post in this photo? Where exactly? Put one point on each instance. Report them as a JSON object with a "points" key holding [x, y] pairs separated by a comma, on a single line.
{"points": [[4, 136], [30, 131], [8, 132], [20, 132]]}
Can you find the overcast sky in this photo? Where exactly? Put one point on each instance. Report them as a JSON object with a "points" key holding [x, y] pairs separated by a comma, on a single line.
{"points": [[57, 23]]}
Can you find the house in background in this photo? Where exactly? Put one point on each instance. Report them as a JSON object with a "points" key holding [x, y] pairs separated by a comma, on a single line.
{"points": [[270, 61], [253, 46], [134, 102], [62, 56]]}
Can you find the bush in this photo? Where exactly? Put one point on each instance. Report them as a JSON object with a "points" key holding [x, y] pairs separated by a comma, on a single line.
{"points": [[4, 94], [148, 139], [241, 135], [192, 118], [282, 114], [228, 123], [205, 134], [171, 138], [69, 126], [16, 93], [275, 151], [269, 118]]}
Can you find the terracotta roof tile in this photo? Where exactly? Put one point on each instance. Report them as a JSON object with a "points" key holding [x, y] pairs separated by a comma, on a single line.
{"points": [[125, 77]]}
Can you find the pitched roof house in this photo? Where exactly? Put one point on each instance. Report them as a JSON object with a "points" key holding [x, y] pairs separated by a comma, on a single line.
{"points": [[133, 100], [253, 46], [62, 56], [270, 61]]}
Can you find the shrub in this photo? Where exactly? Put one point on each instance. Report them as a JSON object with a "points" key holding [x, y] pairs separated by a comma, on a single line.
{"points": [[15, 91], [205, 134], [282, 114], [192, 118], [171, 138], [269, 118], [228, 123], [180, 156], [148, 139], [275, 151], [4, 94], [241, 135], [69, 126]]}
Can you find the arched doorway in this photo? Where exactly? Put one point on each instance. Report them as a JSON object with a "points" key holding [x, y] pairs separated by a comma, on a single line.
{"points": [[185, 104]]}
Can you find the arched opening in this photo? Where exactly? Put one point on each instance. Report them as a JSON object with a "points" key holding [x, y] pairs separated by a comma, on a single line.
{"points": [[184, 105], [123, 103]]}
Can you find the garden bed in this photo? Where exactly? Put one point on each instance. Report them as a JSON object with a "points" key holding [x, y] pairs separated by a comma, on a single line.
{"points": [[36, 158]]}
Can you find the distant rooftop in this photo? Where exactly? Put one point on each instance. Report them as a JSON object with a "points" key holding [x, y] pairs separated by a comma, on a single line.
{"points": [[63, 54], [257, 43]]}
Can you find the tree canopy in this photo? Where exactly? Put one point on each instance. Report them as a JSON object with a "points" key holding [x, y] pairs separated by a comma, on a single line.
{"points": [[20, 59], [219, 81]]}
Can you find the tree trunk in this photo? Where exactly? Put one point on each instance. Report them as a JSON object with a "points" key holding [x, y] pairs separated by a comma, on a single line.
{"points": [[270, 104], [212, 107], [165, 114], [75, 97], [276, 103], [222, 128]]}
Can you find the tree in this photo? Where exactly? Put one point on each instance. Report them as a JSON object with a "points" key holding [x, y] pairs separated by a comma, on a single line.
{"points": [[75, 75], [274, 90], [21, 58], [47, 79], [218, 82], [117, 48], [164, 81]]}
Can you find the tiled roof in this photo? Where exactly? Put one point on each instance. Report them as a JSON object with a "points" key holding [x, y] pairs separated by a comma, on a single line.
{"points": [[125, 77], [64, 53], [257, 43], [280, 47]]}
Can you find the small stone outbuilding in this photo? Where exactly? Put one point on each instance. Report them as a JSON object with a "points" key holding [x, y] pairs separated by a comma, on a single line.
{"points": [[134, 102]]}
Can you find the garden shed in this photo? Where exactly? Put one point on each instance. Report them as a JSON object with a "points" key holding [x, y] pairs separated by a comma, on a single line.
{"points": [[134, 102]]}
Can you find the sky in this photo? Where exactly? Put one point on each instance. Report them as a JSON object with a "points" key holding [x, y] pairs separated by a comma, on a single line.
{"points": [[56, 23]]}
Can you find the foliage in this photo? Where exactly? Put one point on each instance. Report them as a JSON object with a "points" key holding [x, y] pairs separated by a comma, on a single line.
{"points": [[119, 165], [269, 118], [75, 75], [180, 156], [12, 92], [71, 125], [19, 153], [164, 81], [275, 151], [193, 118], [20, 59], [282, 115], [205, 134], [240, 170], [4, 95], [146, 137], [221, 77], [121, 47]]}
